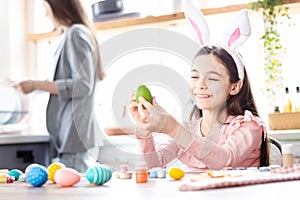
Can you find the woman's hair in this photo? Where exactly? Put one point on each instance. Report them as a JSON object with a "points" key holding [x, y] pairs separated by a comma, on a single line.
{"points": [[235, 104], [69, 12]]}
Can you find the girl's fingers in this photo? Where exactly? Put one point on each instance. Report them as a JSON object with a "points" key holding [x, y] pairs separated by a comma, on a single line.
{"points": [[132, 96], [132, 105], [141, 110], [144, 114], [138, 110], [154, 100], [145, 103]]}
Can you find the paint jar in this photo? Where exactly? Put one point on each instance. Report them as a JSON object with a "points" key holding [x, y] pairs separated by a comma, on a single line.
{"points": [[124, 168], [141, 174], [161, 173], [287, 155]]}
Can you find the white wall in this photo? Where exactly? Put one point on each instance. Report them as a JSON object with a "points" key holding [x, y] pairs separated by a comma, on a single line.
{"points": [[4, 34], [13, 39]]}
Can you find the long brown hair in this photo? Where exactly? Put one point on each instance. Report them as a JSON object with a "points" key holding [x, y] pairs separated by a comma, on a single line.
{"points": [[69, 12], [235, 104]]}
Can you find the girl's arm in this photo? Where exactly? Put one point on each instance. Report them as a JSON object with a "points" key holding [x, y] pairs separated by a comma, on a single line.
{"points": [[158, 155], [241, 149]]}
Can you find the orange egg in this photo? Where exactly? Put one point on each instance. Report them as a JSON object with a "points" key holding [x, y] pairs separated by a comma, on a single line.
{"points": [[67, 177], [53, 168]]}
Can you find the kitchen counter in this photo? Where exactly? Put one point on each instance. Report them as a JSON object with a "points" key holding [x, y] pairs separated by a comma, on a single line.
{"points": [[6, 139], [286, 135]]}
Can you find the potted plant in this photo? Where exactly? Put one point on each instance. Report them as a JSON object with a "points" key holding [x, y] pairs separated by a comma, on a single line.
{"points": [[272, 12]]}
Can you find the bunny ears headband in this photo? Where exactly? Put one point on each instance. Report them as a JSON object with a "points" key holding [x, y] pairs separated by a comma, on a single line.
{"points": [[235, 35]]}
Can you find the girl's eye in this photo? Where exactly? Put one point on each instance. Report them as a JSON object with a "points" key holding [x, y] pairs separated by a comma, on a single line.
{"points": [[194, 75], [212, 79]]}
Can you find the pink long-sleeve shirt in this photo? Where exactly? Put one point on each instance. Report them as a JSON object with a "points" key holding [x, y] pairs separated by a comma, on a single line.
{"points": [[237, 145]]}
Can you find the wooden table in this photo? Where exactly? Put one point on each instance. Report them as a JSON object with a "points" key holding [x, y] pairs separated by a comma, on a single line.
{"points": [[153, 189]]}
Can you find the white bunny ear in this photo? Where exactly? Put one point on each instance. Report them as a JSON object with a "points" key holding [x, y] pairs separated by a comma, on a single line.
{"points": [[198, 23], [238, 31]]}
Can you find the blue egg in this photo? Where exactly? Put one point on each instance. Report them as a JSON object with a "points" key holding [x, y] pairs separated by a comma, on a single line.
{"points": [[98, 175], [15, 173], [37, 176]]}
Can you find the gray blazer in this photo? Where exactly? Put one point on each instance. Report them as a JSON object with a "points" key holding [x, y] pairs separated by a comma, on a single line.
{"points": [[70, 118]]}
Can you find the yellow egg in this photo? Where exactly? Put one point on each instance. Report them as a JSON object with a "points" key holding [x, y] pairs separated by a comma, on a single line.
{"points": [[176, 173], [53, 168]]}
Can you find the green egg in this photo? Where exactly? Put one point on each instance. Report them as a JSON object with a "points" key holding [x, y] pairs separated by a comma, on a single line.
{"points": [[143, 91], [15, 173]]}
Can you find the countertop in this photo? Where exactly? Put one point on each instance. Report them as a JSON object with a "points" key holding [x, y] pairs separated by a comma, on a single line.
{"points": [[20, 133], [292, 134], [153, 189]]}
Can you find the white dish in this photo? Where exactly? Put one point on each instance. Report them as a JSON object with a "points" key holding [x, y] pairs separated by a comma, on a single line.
{"points": [[13, 105]]}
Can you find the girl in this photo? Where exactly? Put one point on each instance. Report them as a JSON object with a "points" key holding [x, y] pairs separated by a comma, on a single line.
{"points": [[70, 118], [227, 131]]}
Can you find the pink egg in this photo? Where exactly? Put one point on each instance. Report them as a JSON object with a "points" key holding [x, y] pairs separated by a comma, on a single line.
{"points": [[67, 177]]}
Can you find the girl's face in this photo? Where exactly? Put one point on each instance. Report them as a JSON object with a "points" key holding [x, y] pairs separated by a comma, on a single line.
{"points": [[210, 83]]}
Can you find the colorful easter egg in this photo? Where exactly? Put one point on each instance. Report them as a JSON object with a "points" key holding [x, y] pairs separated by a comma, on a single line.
{"points": [[22, 178], [37, 176], [30, 166], [67, 177], [52, 168], [176, 173], [10, 179], [4, 171], [98, 175], [143, 91], [3, 177], [15, 173]]}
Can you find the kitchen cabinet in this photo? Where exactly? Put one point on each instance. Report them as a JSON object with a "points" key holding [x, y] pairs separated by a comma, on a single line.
{"points": [[18, 150]]}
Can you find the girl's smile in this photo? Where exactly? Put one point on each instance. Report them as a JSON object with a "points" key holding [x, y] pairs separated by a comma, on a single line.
{"points": [[202, 96]]}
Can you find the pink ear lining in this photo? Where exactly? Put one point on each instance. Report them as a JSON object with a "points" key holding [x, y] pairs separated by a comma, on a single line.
{"points": [[198, 32], [234, 37]]}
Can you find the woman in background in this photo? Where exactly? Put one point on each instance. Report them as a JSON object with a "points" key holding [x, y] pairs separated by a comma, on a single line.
{"points": [[70, 118]]}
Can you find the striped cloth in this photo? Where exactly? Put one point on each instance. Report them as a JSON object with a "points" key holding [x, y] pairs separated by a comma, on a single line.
{"points": [[295, 168], [288, 173]]}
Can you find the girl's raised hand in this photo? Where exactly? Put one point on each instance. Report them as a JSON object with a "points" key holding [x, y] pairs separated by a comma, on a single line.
{"points": [[151, 118], [158, 119], [139, 115]]}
